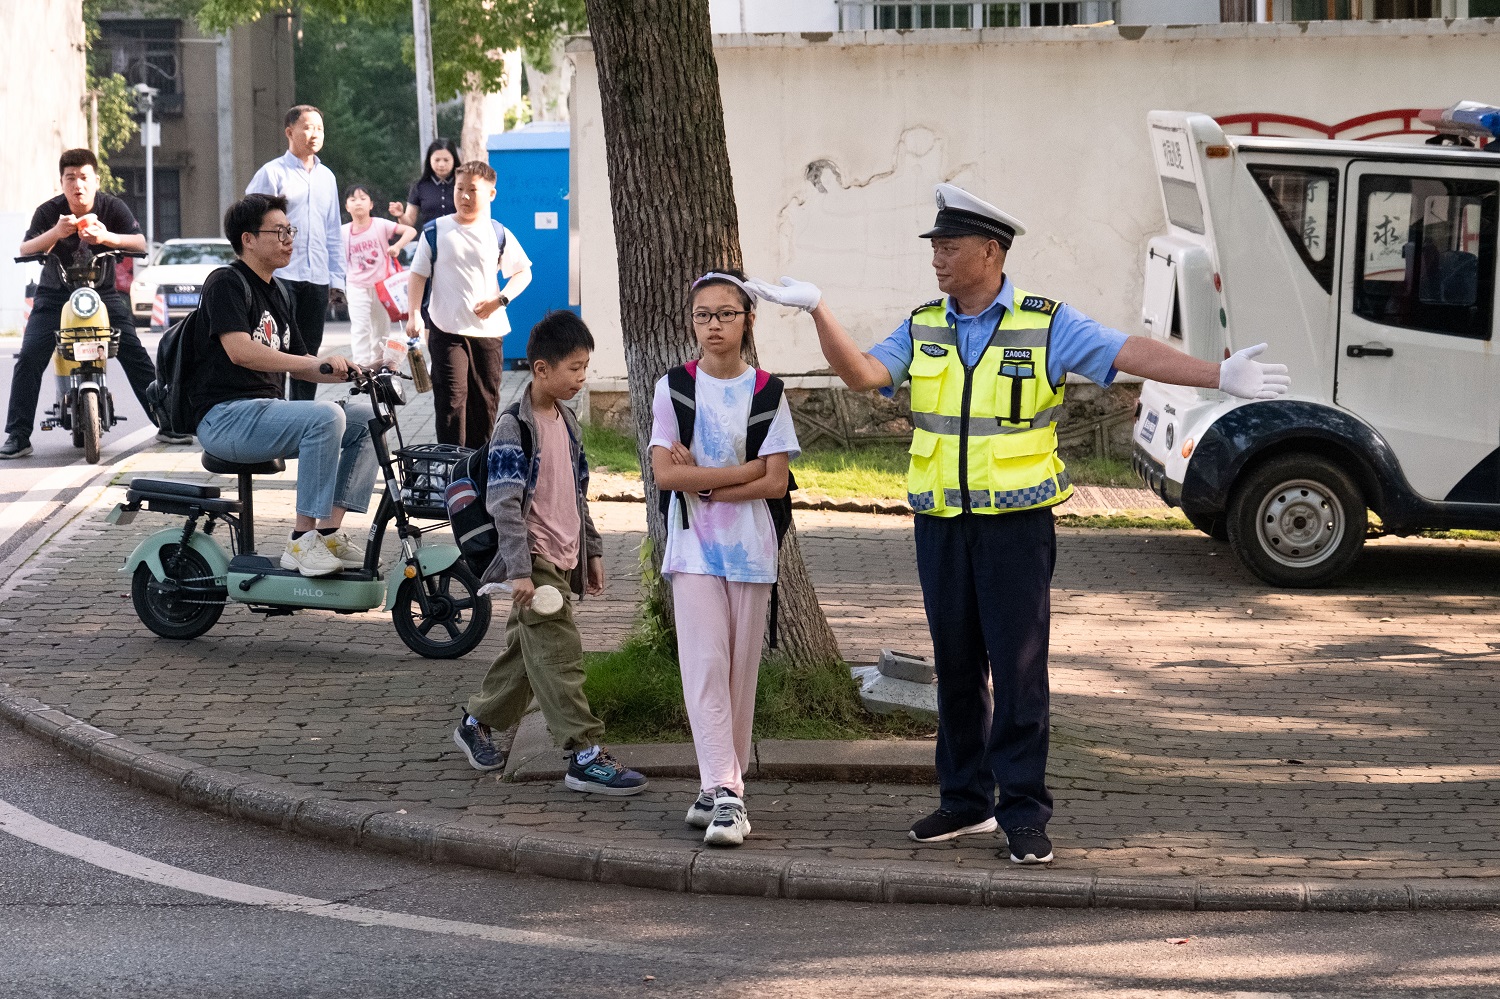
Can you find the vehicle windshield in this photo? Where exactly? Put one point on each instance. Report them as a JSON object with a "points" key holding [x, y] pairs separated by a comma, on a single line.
{"points": [[194, 253]]}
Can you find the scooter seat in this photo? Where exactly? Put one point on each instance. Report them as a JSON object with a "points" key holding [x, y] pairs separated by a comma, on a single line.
{"points": [[222, 467], [166, 487]]}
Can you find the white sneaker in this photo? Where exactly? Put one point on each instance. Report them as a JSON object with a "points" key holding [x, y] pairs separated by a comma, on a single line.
{"points": [[730, 824], [310, 556], [350, 556], [701, 812]]}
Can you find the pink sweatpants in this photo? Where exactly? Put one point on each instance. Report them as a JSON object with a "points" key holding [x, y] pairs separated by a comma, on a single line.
{"points": [[720, 627]]}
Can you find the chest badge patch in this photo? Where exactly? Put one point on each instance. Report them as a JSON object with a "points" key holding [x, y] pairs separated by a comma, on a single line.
{"points": [[934, 350]]}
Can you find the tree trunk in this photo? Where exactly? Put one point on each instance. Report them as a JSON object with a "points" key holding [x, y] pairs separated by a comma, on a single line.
{"points": [[672, 199], [471, 141]]}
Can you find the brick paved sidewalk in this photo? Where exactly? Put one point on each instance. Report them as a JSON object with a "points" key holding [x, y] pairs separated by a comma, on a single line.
{"points": [[1203, 726]]}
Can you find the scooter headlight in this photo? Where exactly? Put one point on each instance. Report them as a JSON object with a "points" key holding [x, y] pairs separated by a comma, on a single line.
{"points": [[85, 303]]}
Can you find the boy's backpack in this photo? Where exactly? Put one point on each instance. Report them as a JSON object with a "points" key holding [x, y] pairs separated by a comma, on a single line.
{"points": [[473, 528], [429, 233], [167, 395], [682, 386]]}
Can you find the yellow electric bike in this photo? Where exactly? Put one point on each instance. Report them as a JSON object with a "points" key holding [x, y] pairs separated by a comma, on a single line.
{"points": [[85, 343]]}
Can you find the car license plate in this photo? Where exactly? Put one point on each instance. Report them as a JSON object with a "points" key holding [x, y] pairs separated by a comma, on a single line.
{"points": [[1148, 426], [90, 350], [183, 301]]}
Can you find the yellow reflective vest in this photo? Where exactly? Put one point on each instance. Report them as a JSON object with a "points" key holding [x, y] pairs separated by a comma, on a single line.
{"points": [[984, 439]]}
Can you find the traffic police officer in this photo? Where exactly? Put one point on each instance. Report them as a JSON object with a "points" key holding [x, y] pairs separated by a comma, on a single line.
{"points": [[987, 365]]}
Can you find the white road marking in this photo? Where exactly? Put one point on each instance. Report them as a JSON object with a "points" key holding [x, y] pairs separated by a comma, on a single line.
{"points": [[18, 514], [25, 826]]}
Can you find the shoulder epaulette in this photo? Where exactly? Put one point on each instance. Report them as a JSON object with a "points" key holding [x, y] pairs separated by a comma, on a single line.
{"points": [[928, 305], [1036, 303]]}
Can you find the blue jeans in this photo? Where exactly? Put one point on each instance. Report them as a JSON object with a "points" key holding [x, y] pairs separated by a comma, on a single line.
{"points": [[335, 456]]}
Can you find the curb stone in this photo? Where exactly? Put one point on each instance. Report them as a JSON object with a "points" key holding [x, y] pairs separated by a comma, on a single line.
{"points": [[440, 839]]}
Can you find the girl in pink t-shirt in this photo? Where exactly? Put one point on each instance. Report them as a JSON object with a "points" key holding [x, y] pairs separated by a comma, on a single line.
{"points": [[369, 258]]}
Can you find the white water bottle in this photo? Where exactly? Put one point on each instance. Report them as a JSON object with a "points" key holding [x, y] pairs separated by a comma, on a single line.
{"points": [[394, 351]]}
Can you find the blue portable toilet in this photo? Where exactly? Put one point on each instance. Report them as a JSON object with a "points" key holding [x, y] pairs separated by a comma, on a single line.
{"points": [[531, 200]]}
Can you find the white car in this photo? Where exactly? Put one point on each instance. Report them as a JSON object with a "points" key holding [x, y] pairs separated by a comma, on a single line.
{"points": [[178, 269], [1370, 268]]}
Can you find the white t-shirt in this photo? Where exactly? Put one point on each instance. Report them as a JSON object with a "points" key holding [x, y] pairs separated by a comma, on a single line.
{"points": [[468, 261], [735, 541]]}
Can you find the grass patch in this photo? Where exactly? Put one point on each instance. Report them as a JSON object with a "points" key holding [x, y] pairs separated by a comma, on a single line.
{"points": [[1103, 472], [1173, 521], [1463, 535], [609, 449], [637, 692]]}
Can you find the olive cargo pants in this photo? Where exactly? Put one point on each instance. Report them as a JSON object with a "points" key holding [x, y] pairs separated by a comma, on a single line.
{"points": [[543, 655]]}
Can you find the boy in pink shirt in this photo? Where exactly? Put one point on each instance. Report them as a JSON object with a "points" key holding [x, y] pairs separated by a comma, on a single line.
{"points": [[369, 258]]}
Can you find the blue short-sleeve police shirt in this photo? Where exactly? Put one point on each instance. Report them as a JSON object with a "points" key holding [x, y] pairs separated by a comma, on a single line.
{"points": [[1078, 344]]}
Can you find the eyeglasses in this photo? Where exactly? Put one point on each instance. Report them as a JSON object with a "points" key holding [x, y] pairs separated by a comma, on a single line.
{"points": [[285, 233], [725, 316]]}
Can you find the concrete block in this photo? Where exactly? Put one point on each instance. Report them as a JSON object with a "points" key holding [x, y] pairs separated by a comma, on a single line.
{"points": [[838, 882], [738, 874], [407, 835], [532, 754], [885, 695], [1455, 893], [897, 761], [210, 789], [162, 773], [1144, 893], [1040, 888], [14, 708], [79, 740], [326, 818], [115, 757], [930, 887], [266, 804], [1366, 896], [471, 846], [1245, 895], [664, 870], [904, 666], [555, 858], [46, 723]]}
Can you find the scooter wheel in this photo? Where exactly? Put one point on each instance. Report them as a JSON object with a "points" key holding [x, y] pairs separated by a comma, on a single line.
{"points": [[442, 616], [163, 608], [89, 421]]}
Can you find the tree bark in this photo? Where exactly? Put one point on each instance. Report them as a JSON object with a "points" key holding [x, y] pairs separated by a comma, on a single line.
{"points": [[672, 199], [472, 138]]}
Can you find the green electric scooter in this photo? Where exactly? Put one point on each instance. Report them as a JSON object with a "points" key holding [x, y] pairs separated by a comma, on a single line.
{"points": [[182, 578]]}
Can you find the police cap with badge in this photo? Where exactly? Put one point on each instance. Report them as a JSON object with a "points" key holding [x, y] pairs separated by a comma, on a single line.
{"points": [[962, 214]]}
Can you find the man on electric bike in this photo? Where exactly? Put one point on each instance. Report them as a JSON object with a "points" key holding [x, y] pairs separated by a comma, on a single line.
{"points": [[80, 219], [241, 356]]}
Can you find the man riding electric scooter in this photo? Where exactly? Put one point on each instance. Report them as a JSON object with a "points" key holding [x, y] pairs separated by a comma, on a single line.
{"points": [[81, 218], [242, 355]]}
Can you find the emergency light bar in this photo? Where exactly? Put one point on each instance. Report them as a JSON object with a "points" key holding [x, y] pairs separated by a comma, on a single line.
{"points": [[1465, 118]]}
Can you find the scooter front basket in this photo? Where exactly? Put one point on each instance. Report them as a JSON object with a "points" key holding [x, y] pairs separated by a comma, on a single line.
{"points": [[426, 471]]}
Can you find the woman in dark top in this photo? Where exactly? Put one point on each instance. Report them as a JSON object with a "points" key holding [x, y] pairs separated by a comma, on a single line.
{"points": [[431, 196]]}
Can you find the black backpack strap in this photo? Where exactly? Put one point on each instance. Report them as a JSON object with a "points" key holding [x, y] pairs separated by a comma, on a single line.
{"points": [[764, 405], [683, 389]]}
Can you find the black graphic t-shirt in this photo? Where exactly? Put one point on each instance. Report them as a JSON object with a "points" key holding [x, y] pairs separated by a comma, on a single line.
{"points": [[115, 216], [264, 315]]}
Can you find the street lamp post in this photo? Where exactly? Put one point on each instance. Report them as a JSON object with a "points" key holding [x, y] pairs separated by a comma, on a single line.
{"points": [[146, 96]]}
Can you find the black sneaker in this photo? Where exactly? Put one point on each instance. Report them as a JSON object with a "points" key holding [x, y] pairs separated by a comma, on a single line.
{"points": [[477, 745], [603, 775], [944, 825], [1029, 846], [15, 446], [168, 437]]}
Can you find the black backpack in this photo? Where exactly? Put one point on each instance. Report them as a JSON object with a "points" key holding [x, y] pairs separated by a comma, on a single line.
{"points": [[682, 384], [473, 528], [167, 395]]}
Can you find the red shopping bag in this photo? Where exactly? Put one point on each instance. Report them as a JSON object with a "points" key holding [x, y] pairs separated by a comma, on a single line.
{"points": [[392, 293]]}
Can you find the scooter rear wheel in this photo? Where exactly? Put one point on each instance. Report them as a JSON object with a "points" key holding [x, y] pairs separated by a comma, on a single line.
{"points": [[90, 427], [456, 616], [163, 608]]}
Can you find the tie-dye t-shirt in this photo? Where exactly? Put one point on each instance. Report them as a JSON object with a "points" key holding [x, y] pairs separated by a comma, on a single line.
{"points": [[733, 540]]}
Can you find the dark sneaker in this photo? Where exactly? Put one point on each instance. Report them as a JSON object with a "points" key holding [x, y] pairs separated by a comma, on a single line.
{"points": [[477, 745], [1029, 846], [603, 775], [168, 437], [944, 825], [701, 813], [15, 446], [730, 824]]}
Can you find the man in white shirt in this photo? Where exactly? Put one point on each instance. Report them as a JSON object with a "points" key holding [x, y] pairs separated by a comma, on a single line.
{"points": [[312, 196], [456, 276]]}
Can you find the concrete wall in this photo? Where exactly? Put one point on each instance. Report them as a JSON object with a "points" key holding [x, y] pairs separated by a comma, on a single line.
{"points": [[41, 85], [836, 146]]}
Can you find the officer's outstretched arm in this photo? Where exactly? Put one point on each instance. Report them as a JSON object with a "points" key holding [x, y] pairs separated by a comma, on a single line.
{"points": [[859, 370], [1239, 375]]}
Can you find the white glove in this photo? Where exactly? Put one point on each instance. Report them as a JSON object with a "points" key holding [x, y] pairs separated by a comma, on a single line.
{"points": [[791, 293], [1242, 375]]}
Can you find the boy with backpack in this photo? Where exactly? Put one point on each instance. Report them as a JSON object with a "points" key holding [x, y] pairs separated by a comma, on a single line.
{"points": [[456, 277], [536, 479], [721, 442]]}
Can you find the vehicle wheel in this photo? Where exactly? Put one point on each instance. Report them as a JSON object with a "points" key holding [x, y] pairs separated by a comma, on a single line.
{"points": [[162, 607], [1212, 524], [89, 427], [455, 619], [1298, 520]]}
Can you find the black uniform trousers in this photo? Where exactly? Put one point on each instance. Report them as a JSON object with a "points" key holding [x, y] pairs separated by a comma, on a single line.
{"points": [[310, 303], [466, 374], [986, 583], [40, 340]]}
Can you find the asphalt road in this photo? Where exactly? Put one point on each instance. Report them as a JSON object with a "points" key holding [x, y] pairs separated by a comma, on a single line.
{"points": [[69, 927]]}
